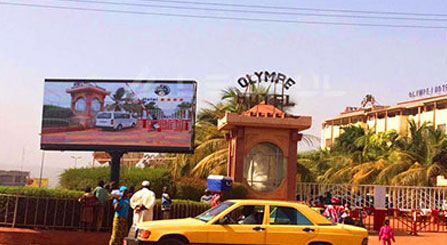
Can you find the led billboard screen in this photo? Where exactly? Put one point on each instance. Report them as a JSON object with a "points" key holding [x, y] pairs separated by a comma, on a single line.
{"points": [[127, 115]]}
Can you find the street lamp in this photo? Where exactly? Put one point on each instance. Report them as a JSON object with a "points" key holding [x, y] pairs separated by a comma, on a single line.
{"points": [[76, 160], [41, 168]]}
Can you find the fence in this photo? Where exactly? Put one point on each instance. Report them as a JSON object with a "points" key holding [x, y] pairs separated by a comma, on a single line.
{"points": [[409, 209], [409, 221], [52, 213], [359, 196]]}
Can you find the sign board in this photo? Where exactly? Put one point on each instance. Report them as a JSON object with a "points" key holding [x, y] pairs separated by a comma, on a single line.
{"points": [[429, 91], [379, 197], [125, 115], [265, 76], [271, 80], [36, 182]]}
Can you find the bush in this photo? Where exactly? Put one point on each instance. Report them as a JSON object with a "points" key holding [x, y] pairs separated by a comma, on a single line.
{"points": [[40, 192], [190, 188], [51, 111], [239, 191], [78, 179], [48, 123], [193, 189]]}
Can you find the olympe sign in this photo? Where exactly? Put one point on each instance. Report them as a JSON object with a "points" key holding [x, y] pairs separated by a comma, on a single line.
{"points": [[280, 100], [435, 90], [265, 76]]}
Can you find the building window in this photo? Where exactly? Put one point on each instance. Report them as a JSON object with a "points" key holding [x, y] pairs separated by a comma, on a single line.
{"points": [[80, 105], [264, 167], [441, 106], [96, 105], [411, 111]]}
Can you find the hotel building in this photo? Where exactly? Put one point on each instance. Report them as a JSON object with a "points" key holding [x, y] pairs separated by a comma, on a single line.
{"points": [[384, 118]]}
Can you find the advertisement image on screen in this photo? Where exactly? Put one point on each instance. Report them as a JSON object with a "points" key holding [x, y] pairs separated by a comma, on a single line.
{"points": [[153, 116]]}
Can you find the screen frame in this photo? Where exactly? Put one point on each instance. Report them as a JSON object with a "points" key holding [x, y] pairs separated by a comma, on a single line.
{"points": [[122, 148]]}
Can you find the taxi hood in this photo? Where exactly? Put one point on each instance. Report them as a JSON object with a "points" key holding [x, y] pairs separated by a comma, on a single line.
{"points": [[171, 222], [353, 229]]}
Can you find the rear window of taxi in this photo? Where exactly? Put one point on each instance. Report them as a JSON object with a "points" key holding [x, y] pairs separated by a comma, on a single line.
{"points": [[314, 216]]}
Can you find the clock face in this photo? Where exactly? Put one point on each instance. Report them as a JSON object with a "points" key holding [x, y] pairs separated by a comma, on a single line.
{"points": [[264, 167], [80, 105], [96, 105]]}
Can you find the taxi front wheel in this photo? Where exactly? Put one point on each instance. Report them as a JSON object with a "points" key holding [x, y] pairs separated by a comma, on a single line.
{"points": [[171, 241]]}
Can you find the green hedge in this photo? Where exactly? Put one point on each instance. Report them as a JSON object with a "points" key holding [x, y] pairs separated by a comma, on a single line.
{"points": [[51, 111], [239, 191], [189, 188], [40, 192], [184, 188], [79, 178], [193, 189]]}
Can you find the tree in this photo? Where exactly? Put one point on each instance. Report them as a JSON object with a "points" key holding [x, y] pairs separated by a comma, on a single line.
{"points": [[118, 99], [361, 156]]}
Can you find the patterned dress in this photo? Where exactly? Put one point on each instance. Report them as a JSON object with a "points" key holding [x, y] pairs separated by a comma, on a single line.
{"points": [[119, 230], [88, 202]]}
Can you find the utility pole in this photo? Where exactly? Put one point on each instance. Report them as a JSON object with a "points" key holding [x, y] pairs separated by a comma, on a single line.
{"points": [[41, 168], [23, 158]]}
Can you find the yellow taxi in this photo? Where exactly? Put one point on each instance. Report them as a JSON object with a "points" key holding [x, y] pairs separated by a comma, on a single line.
{"points": [[249, 222]]}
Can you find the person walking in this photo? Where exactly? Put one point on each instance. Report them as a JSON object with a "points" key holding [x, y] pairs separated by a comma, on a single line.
{"points": [[216, 199], [102, 196], [121, 208], [165, 203], [143, 202], [386, 234], [88, 201]]}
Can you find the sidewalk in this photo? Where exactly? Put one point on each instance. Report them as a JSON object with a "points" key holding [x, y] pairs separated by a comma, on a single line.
{"points": [[17, 236], [431, 238]]}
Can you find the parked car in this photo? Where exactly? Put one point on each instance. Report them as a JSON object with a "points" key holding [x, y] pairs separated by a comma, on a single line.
{"points": [[115, 120], [249, 222]]}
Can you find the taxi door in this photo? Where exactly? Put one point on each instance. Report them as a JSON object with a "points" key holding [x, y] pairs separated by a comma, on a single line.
{"points": [[236, 231], [288, 226]]}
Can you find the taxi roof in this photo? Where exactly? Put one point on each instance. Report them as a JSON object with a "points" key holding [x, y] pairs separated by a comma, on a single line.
{"points": [[265, 202]]}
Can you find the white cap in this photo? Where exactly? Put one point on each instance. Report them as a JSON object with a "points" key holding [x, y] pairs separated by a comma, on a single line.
{"points": [[116, 193], [146, 183]]}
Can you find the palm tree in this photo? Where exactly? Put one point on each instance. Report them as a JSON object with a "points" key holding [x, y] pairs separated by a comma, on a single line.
{"points": [[210, 154], [364, 157], [118, 99]]}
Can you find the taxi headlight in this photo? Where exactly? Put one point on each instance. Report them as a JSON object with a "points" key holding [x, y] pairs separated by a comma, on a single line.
{"points": [[144, 234]]}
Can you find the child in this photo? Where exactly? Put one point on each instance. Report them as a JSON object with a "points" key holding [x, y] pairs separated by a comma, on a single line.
{"points": [[165, 203], [386, 233]]}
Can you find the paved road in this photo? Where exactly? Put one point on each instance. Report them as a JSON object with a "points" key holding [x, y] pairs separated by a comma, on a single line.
{"points": [[130, 136], [422, 238]]}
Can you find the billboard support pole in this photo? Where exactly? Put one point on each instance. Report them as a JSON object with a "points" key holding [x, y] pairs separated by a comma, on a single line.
{"points": [[115, 165]]}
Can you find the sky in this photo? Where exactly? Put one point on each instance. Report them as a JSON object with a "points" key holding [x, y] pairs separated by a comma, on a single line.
{"points": [[334, 66]]}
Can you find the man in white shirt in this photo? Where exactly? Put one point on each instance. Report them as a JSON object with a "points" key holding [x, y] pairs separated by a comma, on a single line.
{"points": [[143, 202]]}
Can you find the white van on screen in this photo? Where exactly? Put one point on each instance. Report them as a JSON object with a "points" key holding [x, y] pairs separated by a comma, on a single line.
{"points": [[115, 120]]}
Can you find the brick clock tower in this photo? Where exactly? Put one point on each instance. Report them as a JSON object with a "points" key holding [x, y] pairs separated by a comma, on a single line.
{"points": [[262, 150], [86, 100]]}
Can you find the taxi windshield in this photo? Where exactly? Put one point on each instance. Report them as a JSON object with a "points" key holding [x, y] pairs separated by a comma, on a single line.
{"points": [[211, 213]]}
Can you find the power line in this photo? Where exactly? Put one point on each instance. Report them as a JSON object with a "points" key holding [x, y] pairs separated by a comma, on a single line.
{"points": [[252, 11], [296, 8], [265, 20]]}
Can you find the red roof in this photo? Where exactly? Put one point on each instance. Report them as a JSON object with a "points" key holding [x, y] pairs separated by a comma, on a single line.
{"points": [[265, 110]]}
